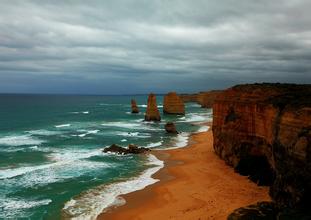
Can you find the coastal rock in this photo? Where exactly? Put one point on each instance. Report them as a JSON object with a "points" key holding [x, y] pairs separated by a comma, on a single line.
{"points": [[261, 210], [170, 128], [264, 132], [135, 109], [132, 149], [205, 99], [152, 112], [173, 104]]}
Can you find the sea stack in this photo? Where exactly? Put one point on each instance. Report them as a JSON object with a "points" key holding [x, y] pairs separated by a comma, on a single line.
{"points": [[135, 109], [152, 112], [173, 104]]}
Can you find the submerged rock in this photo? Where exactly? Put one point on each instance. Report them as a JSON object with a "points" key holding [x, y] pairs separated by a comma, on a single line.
{"points": [[132, 149], [170, 128], [173, 104], [135, 109], [152, 112]]}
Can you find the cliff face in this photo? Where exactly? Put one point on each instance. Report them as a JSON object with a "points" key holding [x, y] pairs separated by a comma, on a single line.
{"points": [[173, 104], [134, 106], [205, 99], [152, 112], [264, 131]]}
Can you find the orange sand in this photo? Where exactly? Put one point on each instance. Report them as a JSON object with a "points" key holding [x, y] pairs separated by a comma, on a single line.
{"points": [[195, 184]]}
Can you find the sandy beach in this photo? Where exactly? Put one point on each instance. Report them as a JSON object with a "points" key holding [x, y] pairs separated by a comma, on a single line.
{"points": [[194, 184]]}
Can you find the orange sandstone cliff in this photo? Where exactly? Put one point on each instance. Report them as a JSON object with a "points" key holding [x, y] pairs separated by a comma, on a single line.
{"points": [[152, 112], [264, 131], [205, 99], [173, 104]]}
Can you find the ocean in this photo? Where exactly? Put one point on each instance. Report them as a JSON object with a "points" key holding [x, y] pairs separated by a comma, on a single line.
{"points": [[51, 160]]}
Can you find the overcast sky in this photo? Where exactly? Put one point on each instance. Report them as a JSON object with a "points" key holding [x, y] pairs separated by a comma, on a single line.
{"points": [[139, 46]]}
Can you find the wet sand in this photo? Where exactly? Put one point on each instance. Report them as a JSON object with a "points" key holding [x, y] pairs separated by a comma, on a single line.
{"points": [[194, 184]]}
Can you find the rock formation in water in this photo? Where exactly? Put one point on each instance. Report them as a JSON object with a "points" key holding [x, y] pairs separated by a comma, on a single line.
{"points": [[205, 99], [264, 132], [134, 106], [170, 128], [132, 149], [173, 104], [152, 112]]}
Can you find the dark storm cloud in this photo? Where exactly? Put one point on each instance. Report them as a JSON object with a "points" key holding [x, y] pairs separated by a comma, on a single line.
{"points": [[136, 46]]}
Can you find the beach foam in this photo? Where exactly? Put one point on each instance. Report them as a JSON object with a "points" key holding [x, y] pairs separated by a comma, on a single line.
{"points": [[156, 144], [180, 141], [14, 207], [196, 117], [61, 158], [91, 203], [203, 129], [43, 132], [133, 134], [62, 125], [20, 140], [122, 125], [89, 132]]}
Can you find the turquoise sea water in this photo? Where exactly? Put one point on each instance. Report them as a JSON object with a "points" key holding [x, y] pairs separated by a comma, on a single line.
{"points": [[51, 164]]}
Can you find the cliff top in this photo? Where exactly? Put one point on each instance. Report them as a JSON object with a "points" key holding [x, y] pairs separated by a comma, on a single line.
{"points": [[280, 95]]}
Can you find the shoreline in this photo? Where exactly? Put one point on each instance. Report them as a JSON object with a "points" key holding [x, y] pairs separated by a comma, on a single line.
{"points": [[194, 184]]}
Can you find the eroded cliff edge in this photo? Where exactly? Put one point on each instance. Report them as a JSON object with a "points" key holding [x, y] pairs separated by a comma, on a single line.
{"points": [[264, 131]]}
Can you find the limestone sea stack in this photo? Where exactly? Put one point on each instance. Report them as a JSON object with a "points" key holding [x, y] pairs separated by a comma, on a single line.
{"points": [[135, 109], [264, 132], [173, 104], [152, 112]]}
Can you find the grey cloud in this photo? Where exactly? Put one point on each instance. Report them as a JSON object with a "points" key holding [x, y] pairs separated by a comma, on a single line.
{"points": [[103, 46]]}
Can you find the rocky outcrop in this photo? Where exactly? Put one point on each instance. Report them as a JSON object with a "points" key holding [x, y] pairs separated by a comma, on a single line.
{"points": [[170, 128], [135, 109], [152, 112], [268, 211], [132, 149], [264, 131], [205, 99], [173, 104]]}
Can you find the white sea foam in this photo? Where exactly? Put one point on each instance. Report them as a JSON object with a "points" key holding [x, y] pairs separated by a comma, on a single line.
{"points": [[88, 132], [62, 126], [156, 144], [135, 125], [61, 158], [203, 129], [122, 125], [20, 140], [196, 117], [180, 141], [12, 208], [20, 204], [110, 104], [91, 203], [133, 134], [142, 106], [123, 140], [83, 112], [43, 132]]}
